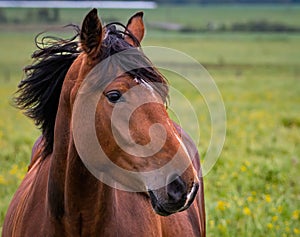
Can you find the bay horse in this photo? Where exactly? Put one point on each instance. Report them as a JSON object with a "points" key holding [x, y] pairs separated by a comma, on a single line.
{"points": [[59, 196]]}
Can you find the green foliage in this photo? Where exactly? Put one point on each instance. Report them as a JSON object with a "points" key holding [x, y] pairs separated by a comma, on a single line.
{"points": [[253, 190]]}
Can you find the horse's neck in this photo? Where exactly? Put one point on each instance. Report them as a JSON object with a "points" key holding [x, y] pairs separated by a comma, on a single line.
{"points": [[81, 187], [63, 150], [71, 185], [91, 207], [98, 208]]}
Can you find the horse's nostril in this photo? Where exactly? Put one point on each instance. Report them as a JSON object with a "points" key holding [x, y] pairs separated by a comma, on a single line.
{"points": [[176, 189]]}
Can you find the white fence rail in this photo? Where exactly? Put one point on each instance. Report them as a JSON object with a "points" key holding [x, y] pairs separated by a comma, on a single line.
{"points": [[80, 4]]}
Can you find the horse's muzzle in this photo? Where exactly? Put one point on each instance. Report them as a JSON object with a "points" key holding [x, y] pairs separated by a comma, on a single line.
{"points": [[177, 198]]}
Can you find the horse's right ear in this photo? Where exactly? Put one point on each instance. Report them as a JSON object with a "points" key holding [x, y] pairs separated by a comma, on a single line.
{"points": [[91, 33], [136, 26]]}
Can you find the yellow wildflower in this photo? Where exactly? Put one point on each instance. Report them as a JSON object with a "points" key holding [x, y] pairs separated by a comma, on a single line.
{"points": [[296, 231], [243, 168], [295, 215], [270, 226], [247, 211], [14, 170], [268, 198], [222, 205], [3, 180], [279, 209], [247, 163], [250, 199], [274, 218], [211, 223]]}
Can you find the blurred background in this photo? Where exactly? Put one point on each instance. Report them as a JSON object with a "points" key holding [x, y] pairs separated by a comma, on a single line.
{"points": [[251, 49]]}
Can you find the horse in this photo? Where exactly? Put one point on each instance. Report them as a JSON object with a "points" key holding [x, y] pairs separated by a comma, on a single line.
{"points": [[59, 195]]}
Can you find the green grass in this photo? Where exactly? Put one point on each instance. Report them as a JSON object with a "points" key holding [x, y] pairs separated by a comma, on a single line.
{"points": [[254, 181], [193, 16], [235, 48], [253, 190]]}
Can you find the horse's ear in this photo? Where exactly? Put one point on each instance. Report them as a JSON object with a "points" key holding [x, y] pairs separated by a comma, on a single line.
{"points": [[136, 26], [91, 33]]}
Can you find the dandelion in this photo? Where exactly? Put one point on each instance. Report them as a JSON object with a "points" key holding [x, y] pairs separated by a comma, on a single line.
{"points": [[247, 163], [274, 218], [268, 198], [250, 199], [295, 215], [270, 226], [3, 180], [222, 205], [243, 168], [247, 211], [296, 231], [14, 170], [211, 223]]}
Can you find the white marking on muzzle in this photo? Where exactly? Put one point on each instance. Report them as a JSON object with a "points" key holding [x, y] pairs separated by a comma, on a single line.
{"points": [[189, 196]]}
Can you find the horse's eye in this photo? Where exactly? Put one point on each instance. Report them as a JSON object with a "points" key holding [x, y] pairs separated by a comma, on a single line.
{"points": [[114, 96]]}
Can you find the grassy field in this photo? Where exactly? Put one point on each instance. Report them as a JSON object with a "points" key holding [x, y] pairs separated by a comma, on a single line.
{"points": [[193, 16], [253, 190]]}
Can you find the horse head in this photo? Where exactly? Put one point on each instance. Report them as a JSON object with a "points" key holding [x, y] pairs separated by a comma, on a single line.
{"points": [[144, 151]]}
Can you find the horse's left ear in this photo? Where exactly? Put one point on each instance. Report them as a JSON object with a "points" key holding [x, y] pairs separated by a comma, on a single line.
{"points": [[91, 33], [136, 26]]}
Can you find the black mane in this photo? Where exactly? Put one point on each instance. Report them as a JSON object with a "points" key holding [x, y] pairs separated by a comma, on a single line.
{"points": [[38, 94]]}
